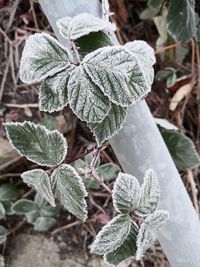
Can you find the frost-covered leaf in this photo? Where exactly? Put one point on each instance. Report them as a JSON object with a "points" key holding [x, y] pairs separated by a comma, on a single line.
{"points": [[126, 193], [3, 234], [145, 239], [112, 235], [43, 224], [40, 181], [2, 263], [82, 24], [157, 219], [126, 250], [110, 125], [42, 56], [146, 58], [85, 98], [24, 206], [150, 193], [181, 149], [53, 95], [70, 190], [118, 74], [38, 144], [181, 20], [165, 124], [8, 192], [2, 211]]}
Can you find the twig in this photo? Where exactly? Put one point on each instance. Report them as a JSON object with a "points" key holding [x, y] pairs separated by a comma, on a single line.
{"points": [[194, 190], [33, 12], [3, 176], [11, 105], [65, 227], [17, 226], [162, 49], [4, 79]]}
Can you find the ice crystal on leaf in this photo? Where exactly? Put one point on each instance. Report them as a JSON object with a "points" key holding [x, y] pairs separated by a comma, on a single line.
{"points": [[42, 56], [82, 24]]}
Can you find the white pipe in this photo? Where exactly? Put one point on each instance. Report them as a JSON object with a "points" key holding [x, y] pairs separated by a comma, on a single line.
{"points": [[139, 146]]}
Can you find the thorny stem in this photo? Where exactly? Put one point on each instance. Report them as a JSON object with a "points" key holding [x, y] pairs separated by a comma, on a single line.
{"points": [[75, 51]]}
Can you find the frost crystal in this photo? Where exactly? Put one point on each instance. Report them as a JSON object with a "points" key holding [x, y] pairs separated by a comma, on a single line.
{"points": [[42, 56], [83, 24]]}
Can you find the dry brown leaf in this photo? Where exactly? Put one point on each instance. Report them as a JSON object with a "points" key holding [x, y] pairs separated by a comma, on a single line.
{"points": [[179, 95]]}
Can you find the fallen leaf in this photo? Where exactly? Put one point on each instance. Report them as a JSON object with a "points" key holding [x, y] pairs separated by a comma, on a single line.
{"points": [[179, 95]]}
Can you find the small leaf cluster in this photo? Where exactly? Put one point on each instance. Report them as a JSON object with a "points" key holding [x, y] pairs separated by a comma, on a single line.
{"points": [[98, 82], [37, 212], [122, 237]]}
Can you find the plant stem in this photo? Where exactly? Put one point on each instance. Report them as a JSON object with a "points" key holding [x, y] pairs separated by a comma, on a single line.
{"points": [[75, 52]]}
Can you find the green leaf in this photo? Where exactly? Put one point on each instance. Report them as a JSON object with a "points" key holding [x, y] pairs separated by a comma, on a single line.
{"points": [[94, 40], [49, 122], [126, 250], [150, 193], [85, 98], [126, 193], [2, 263], [43, 224], [40, 181], [70, 190], [39, 200], [7, 206], [155, 3], [108, 171], [168, 74], [42, 56], [3, 234], [117, 73], [80, 25], [2, 211], [181, 20], [47, 148], [8, 192], [181, 149], [110, 125], [112, 235], [53, 94], [24, 206], [50, 211], [32, 216]]}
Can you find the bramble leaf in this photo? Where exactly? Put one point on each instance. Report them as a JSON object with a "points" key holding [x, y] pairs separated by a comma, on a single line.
{"points": [[42, 56], [23, 206], [181, 20], [82, 24], [150, 193], [53, 95], [126, 193], [85, 98], [117, 73], [40, 181], [8, 192], [157, 219], [110, 125], [70, 190], [112, 235], [126, 250], [47, 148], [43, 224]]}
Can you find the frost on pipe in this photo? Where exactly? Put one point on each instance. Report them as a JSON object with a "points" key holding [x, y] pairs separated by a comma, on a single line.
{"points": [[138, 147]]}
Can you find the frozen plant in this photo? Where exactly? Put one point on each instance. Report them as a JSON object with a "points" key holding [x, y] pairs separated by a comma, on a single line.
{"points": [[99, 81]]}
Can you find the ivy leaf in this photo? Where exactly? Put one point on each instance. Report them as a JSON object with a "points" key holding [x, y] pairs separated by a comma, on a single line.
{"points": [[145, 239], [126, 250], [110, 125], [40, 181], [145, 56], [85, 98], [150, 193], [181, 20], [42, 56], [53, 95], [117, 73], [2, 211], [126, 193], [24, 206], [8, 192], [47, 148], [3, 234], [70, 190], [181, 149], [82, 24], [157, 219], [112, 235], [43, 224]]}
